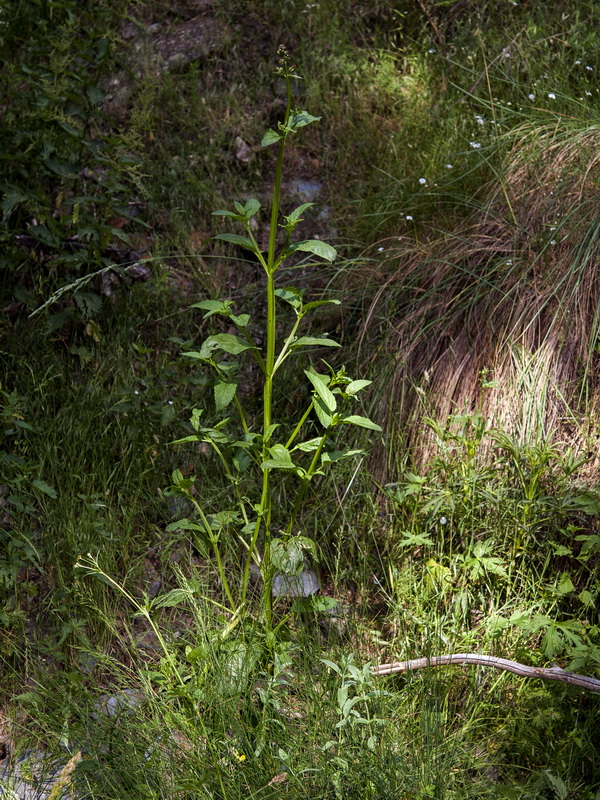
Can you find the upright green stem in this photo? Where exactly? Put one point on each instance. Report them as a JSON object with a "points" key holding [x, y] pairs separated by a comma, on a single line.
{"points": [[265, 503]]}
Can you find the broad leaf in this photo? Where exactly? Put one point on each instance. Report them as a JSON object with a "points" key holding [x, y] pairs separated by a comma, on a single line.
{"points": [[224, 394], [338, 455], [288, 555], [316, 247], [185, 525], [362, 422], [270, 137], [45, 488], [300, 119], [317, 303], [222, 213], [290, 295], [223, 341], [312, 341], [356, 386], [252, 207], [321, 389], [234, 238], [213, 307], [310, 445], [173, 598], [280, 458], [322, 412], [295, 217], [241, 321]]}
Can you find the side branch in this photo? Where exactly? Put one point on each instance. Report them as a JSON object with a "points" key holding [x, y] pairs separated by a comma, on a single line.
{"points": [[546, 673]]}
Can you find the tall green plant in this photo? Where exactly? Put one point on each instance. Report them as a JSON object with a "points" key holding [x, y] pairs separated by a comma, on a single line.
{"points": [[332, 393]]}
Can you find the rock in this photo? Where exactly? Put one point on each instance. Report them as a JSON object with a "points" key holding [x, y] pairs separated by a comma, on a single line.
{"points": [[31, 777], [155, 51], [242, 151], [125, 701], [303, 585], [306, 190]]}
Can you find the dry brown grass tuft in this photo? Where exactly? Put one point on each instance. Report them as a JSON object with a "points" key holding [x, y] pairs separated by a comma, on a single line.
{"points": [[514, 298]]}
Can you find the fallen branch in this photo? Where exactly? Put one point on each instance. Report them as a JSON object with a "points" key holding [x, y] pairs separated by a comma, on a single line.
{"points": [[546, 673]]}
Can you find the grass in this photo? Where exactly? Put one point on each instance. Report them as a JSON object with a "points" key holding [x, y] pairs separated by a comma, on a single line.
{"points": [[472, 524]]}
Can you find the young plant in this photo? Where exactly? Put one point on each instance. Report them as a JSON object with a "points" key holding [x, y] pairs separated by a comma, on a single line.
{"points": [[241, 450]]}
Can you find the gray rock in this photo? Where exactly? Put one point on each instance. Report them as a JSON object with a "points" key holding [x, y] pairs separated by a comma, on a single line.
{"points": [[125, 701], [303, 585], [155, 51], [306, 190], [31, 777]]}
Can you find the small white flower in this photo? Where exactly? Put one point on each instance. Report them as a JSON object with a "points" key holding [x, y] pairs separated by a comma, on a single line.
{"points": [[553, 241], [479, 118], [578, 62], [448, 166], [475, 145], [136, 391], [506, 54], [380, 249], [443, 520], [431, 50], [422, 181], [170, 402], [589, 94], [551, 95], [531, 96], [408, 217], [589, 69]]}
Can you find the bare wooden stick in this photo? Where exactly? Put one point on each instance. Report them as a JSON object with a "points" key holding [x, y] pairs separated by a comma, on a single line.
{"points": [[546, 673]]}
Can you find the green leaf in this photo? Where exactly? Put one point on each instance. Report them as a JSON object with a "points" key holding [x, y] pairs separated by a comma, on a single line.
{"points": [[234, 238], [61, 167], [241, 321], [288, 556], [270, 137], [251, 208], [316, 247], [362, 422], [565, 585], [193, 438], [356, 386], [223, 213], [586, 598], [332, 666], [185, 525], [45, 488], [311, 341], [300, 119], [173, 598], [296, 216], [13, 196], [280, 458], [213, 307], [321, 388], [224, 393], [317, 303], [310, 445], [290, 295], [338, 455], [221, 341], [322, 412]]}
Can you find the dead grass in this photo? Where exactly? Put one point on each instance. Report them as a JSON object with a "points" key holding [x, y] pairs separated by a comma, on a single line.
{"points": [[512, 298]]}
